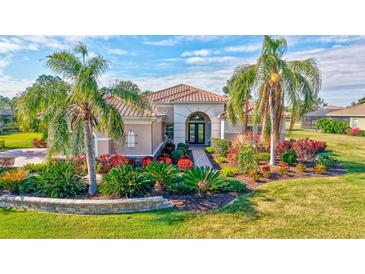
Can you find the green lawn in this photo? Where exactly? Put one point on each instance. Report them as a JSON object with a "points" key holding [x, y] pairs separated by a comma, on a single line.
{"points": [[19, 139], [304, 208]]}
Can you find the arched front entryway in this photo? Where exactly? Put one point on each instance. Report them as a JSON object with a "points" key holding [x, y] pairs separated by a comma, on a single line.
{"points": [[198, 129]]}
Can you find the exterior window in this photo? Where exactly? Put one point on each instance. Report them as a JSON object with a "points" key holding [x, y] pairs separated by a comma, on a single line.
{"points": [[131, 139], [169, 131], [354, 122]]}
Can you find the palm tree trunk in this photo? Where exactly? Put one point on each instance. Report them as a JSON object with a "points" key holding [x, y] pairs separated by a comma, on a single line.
{"points": [[263, 136], [272, 128], [292, 119], [246, 118], [90, 157]]}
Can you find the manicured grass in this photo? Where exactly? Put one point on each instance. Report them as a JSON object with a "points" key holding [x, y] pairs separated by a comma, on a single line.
{"points": [[19, 139], [304, 208]]}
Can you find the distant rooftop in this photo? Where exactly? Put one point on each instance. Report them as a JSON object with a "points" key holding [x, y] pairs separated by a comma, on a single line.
{"points": [[358, 110]]}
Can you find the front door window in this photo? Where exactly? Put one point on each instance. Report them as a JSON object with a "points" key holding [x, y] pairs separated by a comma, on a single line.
{"points": [[196, 133]]}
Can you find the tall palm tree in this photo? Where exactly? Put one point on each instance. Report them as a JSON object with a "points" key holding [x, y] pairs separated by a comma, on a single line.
{"points": [[84, 109], [276, 81]]}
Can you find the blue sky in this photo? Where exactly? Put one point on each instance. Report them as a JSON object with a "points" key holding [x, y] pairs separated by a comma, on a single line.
{"points": [[155, 62]]}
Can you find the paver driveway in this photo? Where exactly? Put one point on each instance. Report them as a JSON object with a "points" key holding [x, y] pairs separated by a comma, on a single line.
{"points": [[26, 155]]}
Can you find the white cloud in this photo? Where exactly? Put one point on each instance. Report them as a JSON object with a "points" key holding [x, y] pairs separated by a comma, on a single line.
{"points": [[118, 51], [244, 48], [172, 41], [210, 60], [166, 42], [200, 52]]}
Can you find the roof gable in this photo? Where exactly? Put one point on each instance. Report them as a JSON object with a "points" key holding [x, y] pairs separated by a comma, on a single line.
{"points": [[358, 110], [184, 93]]}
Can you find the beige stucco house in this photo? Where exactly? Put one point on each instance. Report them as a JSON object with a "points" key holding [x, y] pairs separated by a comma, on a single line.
{"points": [[178, 114], [355, 115]]}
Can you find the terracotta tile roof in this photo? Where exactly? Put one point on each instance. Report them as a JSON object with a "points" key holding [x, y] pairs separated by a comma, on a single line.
{"points": [[358, 110], [184, 93], [127, 110]]}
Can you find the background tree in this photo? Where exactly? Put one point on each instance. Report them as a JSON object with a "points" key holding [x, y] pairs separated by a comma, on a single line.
{"points": [[36, 105]]}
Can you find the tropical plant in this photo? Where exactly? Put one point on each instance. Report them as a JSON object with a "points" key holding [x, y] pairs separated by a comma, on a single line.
{"points": [[176, 155], [300, 168], [247, 159], [35, 167], [125, 181], [325, 160], [161, 174], [61, 180], [307, 148], [31, 185], [11, 180], [228, 171], [229, 185], [289, 157], [146, 161], [181, 187], [209, 149], [221, 146], [203, 178], [220, 159], [82, 109], [277, 80]]}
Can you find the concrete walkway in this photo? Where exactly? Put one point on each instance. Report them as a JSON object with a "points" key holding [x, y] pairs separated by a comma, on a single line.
{"points": [[200, 157], [26, 155]]}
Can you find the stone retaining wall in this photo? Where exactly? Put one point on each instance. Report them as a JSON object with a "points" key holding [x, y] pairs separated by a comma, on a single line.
{"points": [[97, 207]]}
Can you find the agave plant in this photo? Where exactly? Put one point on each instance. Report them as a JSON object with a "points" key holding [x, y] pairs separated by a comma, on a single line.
{"points": [[161, 174], [204, 178]]}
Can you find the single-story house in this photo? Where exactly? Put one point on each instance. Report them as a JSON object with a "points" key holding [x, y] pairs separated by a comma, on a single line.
{"points": [[355, 115], [310, 119], [177, 114]]}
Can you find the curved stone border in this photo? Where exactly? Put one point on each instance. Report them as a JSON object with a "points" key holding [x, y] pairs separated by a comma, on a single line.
{"points": [[96, 207]]}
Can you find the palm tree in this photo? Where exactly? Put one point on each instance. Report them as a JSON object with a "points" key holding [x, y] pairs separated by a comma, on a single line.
{"points": [[278, 80], [74, 116]]}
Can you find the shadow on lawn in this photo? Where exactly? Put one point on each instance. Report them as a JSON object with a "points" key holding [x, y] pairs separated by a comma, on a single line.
{"points": [[7, 210], [354, 167]]}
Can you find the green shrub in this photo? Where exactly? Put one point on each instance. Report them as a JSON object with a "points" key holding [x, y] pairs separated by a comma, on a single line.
{"points": [[329, 125], [32, 185], [228, 185], [220, 160], [228, 171], [221, 146], [181, 187], [125, 181], [247, 159], [264, 156], [176, 155], [362, 133], [325, 160], [35, 167], [61, 180], [289, 157], [2, 144], [209, 149], [161, 174], [182, 145]]}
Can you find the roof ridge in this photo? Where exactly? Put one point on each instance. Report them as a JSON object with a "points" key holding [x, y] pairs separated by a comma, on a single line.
{"points": [[174, 93], [206, 91]]}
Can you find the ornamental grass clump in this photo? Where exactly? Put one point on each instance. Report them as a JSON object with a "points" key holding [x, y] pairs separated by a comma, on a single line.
{"points": [[221, 146], [300, 168], [11, 180]]}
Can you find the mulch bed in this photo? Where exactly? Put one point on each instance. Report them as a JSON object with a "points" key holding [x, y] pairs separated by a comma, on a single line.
{"points": [[195, 202]]}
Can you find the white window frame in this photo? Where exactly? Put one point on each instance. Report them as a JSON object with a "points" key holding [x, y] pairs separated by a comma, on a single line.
{"points": [[131, 139]]}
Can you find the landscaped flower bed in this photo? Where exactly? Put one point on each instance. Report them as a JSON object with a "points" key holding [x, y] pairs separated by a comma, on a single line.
{"points": [[248, 161], [190, 188]]}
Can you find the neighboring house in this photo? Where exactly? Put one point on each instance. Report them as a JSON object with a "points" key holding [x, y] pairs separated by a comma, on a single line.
{"points": [[178, 114], [355, 115], [5, 116], [310, 119]]}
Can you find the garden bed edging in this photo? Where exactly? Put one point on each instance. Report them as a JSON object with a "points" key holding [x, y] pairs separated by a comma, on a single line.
{"points": [[96, 207]]}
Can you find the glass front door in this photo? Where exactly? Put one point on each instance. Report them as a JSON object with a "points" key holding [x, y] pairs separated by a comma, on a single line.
{"points": [[196, 133]]}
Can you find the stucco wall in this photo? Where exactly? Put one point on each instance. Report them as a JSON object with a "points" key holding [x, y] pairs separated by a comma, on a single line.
{"points": [[182, 112], [360, 122], [168, 110], [142, 139], [156, 135]]}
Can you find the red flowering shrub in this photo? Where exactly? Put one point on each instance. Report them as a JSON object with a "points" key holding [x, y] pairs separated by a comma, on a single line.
{"points": [[284, 146], [232, 154], [164, 158], [146, 161], [307, 148], [107, 162], [117, 160], [265, 168], [80, 163], [184, 164], [355, 131]]}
